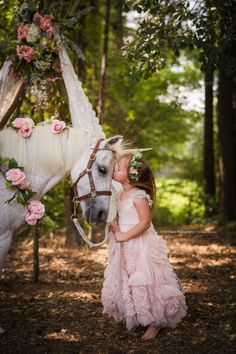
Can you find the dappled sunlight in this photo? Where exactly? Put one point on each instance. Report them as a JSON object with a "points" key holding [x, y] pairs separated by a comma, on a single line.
{"points": [[65, 335], [81, 295], [64, 312]]}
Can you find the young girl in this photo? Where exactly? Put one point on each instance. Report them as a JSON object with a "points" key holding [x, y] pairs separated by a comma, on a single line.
{"points": [[140, 285]]}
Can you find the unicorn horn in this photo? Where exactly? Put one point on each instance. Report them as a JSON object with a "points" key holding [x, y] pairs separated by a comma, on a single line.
{"points": [[133, 151]]}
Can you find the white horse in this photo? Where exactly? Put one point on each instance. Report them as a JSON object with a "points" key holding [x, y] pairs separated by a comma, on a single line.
{"points": [[47, 158]]}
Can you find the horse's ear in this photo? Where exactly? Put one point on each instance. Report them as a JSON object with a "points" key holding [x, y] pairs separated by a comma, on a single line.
{"points": [[114, 143]]}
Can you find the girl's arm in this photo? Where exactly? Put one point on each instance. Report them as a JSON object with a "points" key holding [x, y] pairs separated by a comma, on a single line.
{"points": [[144, 214]]}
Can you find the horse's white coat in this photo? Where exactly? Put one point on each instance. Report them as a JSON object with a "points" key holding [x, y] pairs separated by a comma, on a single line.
{"points": [[47, 158]]}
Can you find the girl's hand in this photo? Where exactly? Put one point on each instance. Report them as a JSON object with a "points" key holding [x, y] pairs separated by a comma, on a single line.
{"points": [[114, 227], [120, 237]]}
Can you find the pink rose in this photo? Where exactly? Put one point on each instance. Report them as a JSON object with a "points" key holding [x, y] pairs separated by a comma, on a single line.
{"points": [[36, 208], [25, 52], [22, 31], [46, 24], [31, 219], [37, 18], [172, 307], [23, 185], [133, 170], [15, 175], [58, 126], [19, 122], [25, 131]]}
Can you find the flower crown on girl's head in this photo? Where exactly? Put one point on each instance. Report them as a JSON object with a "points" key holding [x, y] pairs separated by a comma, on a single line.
{"points": [[134, 165]]}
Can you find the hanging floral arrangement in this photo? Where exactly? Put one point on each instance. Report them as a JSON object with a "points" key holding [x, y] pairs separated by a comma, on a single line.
{"points": [[40, 29], [36, 51], [38, 44]]}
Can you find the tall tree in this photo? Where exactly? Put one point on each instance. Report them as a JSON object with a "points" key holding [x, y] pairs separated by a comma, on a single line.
{"points": [[227, 109], [104, 61], [208, 152], [209, 26]]}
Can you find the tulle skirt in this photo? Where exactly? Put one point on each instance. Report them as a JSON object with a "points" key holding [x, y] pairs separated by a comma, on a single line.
{"points": [[140, 286]]}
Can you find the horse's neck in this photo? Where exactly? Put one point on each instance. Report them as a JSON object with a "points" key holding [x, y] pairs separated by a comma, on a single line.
{"points": [[42, 182]]}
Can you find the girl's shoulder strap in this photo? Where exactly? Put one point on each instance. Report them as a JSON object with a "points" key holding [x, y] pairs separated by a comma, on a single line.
{"points": [[140, 194]]}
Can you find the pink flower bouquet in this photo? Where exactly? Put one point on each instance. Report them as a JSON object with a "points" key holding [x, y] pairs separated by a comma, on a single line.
{"points": [[36, 211]]}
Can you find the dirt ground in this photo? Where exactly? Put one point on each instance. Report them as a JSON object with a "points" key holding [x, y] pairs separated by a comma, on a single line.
{"points": [[63, 312]]}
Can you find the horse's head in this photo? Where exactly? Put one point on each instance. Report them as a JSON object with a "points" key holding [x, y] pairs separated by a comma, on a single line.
{"points": [[92, 178]]}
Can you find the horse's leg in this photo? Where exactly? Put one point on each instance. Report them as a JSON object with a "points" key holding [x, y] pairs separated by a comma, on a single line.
{"points": [[5, 243]]}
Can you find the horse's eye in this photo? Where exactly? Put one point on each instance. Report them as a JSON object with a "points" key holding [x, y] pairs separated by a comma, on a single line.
{"points": [[102, 170]]}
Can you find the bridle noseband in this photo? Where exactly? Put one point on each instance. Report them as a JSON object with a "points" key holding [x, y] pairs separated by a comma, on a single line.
{"points": [[88, 171]]}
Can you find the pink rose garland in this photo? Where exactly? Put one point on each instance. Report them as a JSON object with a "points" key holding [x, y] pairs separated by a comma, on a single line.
{"points": [[36, 211], [58, 126], [24, 185], [15, 176], [25, 126], [19, 122]]}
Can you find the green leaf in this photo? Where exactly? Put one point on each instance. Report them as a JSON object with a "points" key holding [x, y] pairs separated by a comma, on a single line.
{"points": [[46, 223], [12, 164], [3, 160], [9, 185], [28, 194], [20, 199]]}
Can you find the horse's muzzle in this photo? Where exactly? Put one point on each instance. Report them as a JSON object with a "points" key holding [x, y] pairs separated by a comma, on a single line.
{"points": [[95, 215]]}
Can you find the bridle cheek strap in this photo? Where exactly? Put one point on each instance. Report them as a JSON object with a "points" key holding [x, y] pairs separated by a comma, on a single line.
{"points": [[88, 171], [93, 193]]}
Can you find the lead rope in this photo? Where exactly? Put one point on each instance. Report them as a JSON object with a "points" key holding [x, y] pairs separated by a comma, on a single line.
{"points": [[74, 218]]}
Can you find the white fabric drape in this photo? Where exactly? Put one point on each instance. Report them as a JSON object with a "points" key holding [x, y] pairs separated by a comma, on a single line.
{"points": [[82, 113], [9, 88]]}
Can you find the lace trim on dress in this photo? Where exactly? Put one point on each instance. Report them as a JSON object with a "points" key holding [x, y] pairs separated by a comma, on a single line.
{"points": [[140, 194]]}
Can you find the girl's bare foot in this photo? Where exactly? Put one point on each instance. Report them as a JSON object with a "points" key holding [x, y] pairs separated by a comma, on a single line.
{"points": [[151, 332]]}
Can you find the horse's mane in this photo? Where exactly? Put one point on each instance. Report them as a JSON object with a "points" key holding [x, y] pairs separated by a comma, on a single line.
{"points": [[43, 150]]}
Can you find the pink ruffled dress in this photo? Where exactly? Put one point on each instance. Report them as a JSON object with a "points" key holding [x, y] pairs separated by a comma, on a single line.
{"points": [[140, 286]]}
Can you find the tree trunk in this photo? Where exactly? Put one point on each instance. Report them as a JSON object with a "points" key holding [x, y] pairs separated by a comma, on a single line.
{"points": [[82, 43], [208, 158], [227, 136], [36, 254], [36, 270], [118, 24], [104, 62]]}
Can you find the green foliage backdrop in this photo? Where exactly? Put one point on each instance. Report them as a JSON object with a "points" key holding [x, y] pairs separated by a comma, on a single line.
{"points": [[148, 113]]}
